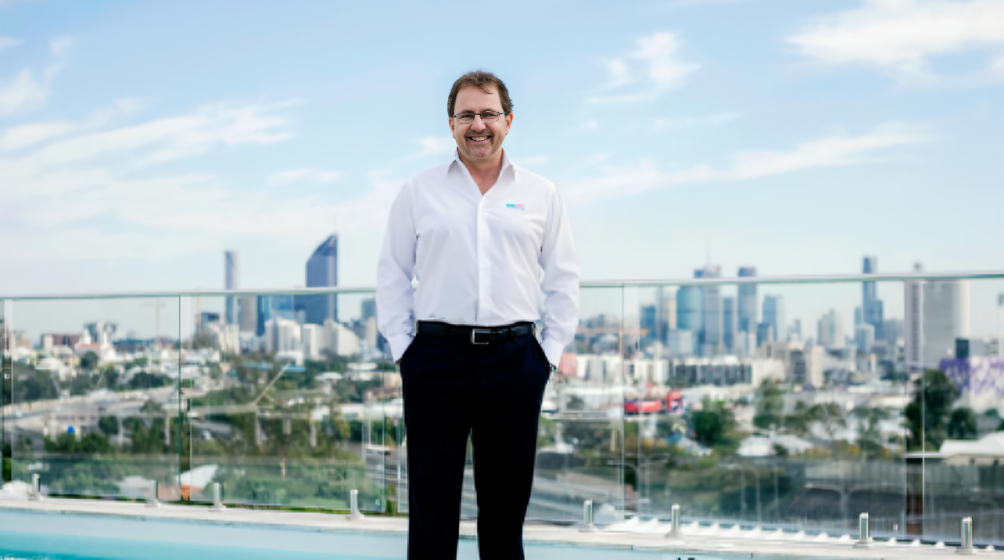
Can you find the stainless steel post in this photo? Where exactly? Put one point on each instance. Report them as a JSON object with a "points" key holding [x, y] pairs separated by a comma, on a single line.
{"points": [[864, 537], [217, 499]]}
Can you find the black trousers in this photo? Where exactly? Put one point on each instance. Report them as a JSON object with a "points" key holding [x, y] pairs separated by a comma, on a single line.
{"points": [[493, 393]]}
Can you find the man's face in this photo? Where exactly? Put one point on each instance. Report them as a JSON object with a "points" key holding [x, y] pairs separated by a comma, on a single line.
{"points": [[479, 140]]}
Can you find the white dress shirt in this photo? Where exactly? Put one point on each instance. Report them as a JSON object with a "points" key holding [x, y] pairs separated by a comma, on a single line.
{"points": [[480, 260]]}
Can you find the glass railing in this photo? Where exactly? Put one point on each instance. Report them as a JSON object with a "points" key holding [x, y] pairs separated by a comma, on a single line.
{"points": [[793, 403]]}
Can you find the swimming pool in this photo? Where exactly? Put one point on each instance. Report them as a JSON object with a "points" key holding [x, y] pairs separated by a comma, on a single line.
{"points": [[65, 536]]}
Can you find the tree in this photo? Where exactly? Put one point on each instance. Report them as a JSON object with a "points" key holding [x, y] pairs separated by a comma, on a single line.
{"points": [[869, 434], [962, 424], [798, 421], [830, 416], [769, 406], [928, 415], [109, 425], [89, 361], [714, 424]]}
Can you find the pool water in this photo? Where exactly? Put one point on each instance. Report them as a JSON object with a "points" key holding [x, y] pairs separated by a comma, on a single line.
{"points": [[60, 536]]}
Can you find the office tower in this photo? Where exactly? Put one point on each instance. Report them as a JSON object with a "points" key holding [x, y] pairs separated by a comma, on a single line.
{"points": [[648, 322], [368, 309], [764, 333], [665, 313], [747, 302], [864, 337], [264, 313], [689, 309], [871, 305], [830, 330], [206, 318], [729, 321], [231, 277], [913, 323], [322, 272], [945, 318], [795, 332], [711, 334], [773, 315], [680, 343], [247, 313], [892, 329], [101, 332]]}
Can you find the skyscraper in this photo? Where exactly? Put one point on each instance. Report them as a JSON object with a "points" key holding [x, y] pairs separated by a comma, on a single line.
{"points": [[231, 274], [913, 323], [712, 335], [747, 302], [871, 305], [830, 331], [729, 322], [689, 309], [322, 272], [945, 317], [773, 315]]}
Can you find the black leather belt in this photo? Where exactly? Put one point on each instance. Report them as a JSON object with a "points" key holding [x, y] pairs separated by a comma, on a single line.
{"points": [[475, 335]]}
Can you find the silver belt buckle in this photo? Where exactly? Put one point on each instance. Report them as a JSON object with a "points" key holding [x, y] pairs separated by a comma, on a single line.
{"points": [[474, 333]]}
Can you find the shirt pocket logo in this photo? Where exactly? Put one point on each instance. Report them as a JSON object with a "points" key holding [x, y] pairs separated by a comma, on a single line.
{"points": [[514, 206]]}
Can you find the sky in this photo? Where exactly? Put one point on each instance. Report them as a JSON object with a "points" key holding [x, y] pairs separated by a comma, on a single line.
{"points": [[138, 141]]}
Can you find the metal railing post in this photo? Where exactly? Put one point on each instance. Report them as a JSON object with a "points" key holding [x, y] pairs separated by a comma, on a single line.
{"points": [[864, 537], [217, 499], [587, 516]]}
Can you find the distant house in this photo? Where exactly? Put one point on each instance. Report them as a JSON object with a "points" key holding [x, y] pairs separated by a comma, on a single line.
{"points": [[761, 446], [984, 451]]}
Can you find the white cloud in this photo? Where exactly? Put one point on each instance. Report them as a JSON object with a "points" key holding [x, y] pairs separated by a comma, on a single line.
{"points": [[653, 67], [706, 121], [303, 174], [60, 46], [26, 93], [326, 177], [103, 189], [23, 93], [287, 177], [32, 134], [607, 181], [660, 51], [903, 35], [435, 145], [8, 42], [531, 160], [589, 125]]}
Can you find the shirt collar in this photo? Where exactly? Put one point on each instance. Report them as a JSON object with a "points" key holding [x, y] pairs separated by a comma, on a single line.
{"points": [[506, 162]]}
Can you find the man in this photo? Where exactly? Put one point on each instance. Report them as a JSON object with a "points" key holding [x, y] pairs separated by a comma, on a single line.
{"points": [[470, 246]]}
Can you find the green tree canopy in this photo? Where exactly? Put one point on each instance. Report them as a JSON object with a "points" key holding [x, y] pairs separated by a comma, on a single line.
{"points": [[769, 406], [928, 415]]}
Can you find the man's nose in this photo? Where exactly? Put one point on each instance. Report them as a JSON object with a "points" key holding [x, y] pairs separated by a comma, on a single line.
{"points": [[478, 124]]}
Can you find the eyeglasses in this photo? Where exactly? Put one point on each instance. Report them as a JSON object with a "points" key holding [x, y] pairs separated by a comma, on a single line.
{"points": [[486, 116]]}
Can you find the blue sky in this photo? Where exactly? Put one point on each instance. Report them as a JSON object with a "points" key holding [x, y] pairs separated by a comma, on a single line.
{"points": [[138, 141]]}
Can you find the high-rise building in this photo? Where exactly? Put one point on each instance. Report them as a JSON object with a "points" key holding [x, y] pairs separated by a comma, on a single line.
{"points": [[795, 331], [747, 302], [945, 318], [264, 313], [864, 337], [830, 330], [913, 323], [871, 305], [689, 309], [322, 272], [764, 333], [368, 309], [712, 332], [231, 278], [773, 315], [247, 312], [729, 320]]}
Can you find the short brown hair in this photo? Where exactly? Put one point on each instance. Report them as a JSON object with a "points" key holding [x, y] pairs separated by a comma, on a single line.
{"points": [[484, 81]]}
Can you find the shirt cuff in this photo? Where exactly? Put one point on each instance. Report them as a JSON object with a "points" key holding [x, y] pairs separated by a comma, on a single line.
{"points": [[399, 345], [552, 349]]}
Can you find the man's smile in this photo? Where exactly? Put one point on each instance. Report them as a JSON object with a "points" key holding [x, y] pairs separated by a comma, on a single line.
{"points": [[479, 139]]}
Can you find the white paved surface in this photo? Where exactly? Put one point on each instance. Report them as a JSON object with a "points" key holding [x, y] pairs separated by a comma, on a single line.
{"points": [[631, 535]]}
